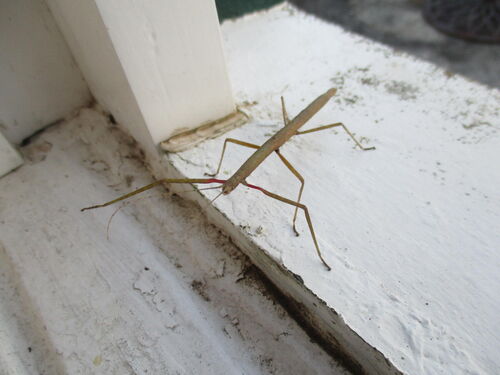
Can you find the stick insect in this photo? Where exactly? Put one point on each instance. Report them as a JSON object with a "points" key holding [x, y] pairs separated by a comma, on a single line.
{"points": [[273, 144]]}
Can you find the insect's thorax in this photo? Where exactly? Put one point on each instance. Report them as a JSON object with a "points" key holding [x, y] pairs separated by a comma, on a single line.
{"points": [[230, 185]]}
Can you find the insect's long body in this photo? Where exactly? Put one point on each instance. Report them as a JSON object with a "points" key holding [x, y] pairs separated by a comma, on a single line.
{"points": [[276, 141]]}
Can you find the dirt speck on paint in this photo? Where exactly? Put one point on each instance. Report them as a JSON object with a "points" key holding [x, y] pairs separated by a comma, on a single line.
{"points": [[128, 180], [200, 287], [475, 124], [403, 90], [37, 152]]}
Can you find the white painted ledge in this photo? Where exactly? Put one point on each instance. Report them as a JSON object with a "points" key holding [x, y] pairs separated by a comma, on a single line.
{"points": [[410, 229]]}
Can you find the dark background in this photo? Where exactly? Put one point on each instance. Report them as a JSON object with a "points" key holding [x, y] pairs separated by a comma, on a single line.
{"points": [[395, 23]]}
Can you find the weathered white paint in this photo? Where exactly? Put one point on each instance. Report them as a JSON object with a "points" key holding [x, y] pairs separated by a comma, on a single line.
{"points": [[410, 229], [39, 80], [9, 157]]}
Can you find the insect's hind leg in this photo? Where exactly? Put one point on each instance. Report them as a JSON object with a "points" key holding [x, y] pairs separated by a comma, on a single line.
{"points": [[156, 183], [235, 141], [302, 181], [324, 127], [306, 213]]}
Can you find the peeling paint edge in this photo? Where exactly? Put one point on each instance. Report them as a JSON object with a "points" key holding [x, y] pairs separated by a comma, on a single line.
{"points": [[190, 138]]}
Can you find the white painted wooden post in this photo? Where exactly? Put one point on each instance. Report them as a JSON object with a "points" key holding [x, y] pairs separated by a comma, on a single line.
{"points": [[172, 55], [157, 65]]}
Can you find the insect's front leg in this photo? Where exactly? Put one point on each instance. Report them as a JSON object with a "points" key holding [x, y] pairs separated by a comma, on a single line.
{"points": [[235, 141]]}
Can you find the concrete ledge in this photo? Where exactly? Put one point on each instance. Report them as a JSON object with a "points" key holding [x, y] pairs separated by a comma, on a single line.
{"points": [[148, 288], [409, 228]]}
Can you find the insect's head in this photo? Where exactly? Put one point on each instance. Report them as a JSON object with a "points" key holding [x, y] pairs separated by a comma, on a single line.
{"points": [[228, 187]]}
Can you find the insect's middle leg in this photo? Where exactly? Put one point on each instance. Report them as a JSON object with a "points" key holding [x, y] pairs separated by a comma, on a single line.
{"points": [[301, 179], [235, 141], [333, 126]]}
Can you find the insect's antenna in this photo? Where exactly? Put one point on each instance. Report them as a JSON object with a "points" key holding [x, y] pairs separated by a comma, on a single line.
{"points": [[207, 188], [111, 218], [119, 208], [218, 195]]}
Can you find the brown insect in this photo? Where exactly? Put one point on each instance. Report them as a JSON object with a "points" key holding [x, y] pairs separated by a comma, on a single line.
{"points": [[273, 144]]}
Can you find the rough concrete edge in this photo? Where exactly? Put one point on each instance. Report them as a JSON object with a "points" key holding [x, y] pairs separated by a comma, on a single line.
{"points": [[334, 334]]}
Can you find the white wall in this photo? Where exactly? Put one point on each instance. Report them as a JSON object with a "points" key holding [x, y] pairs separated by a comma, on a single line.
{"points": [[39, 80]]}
